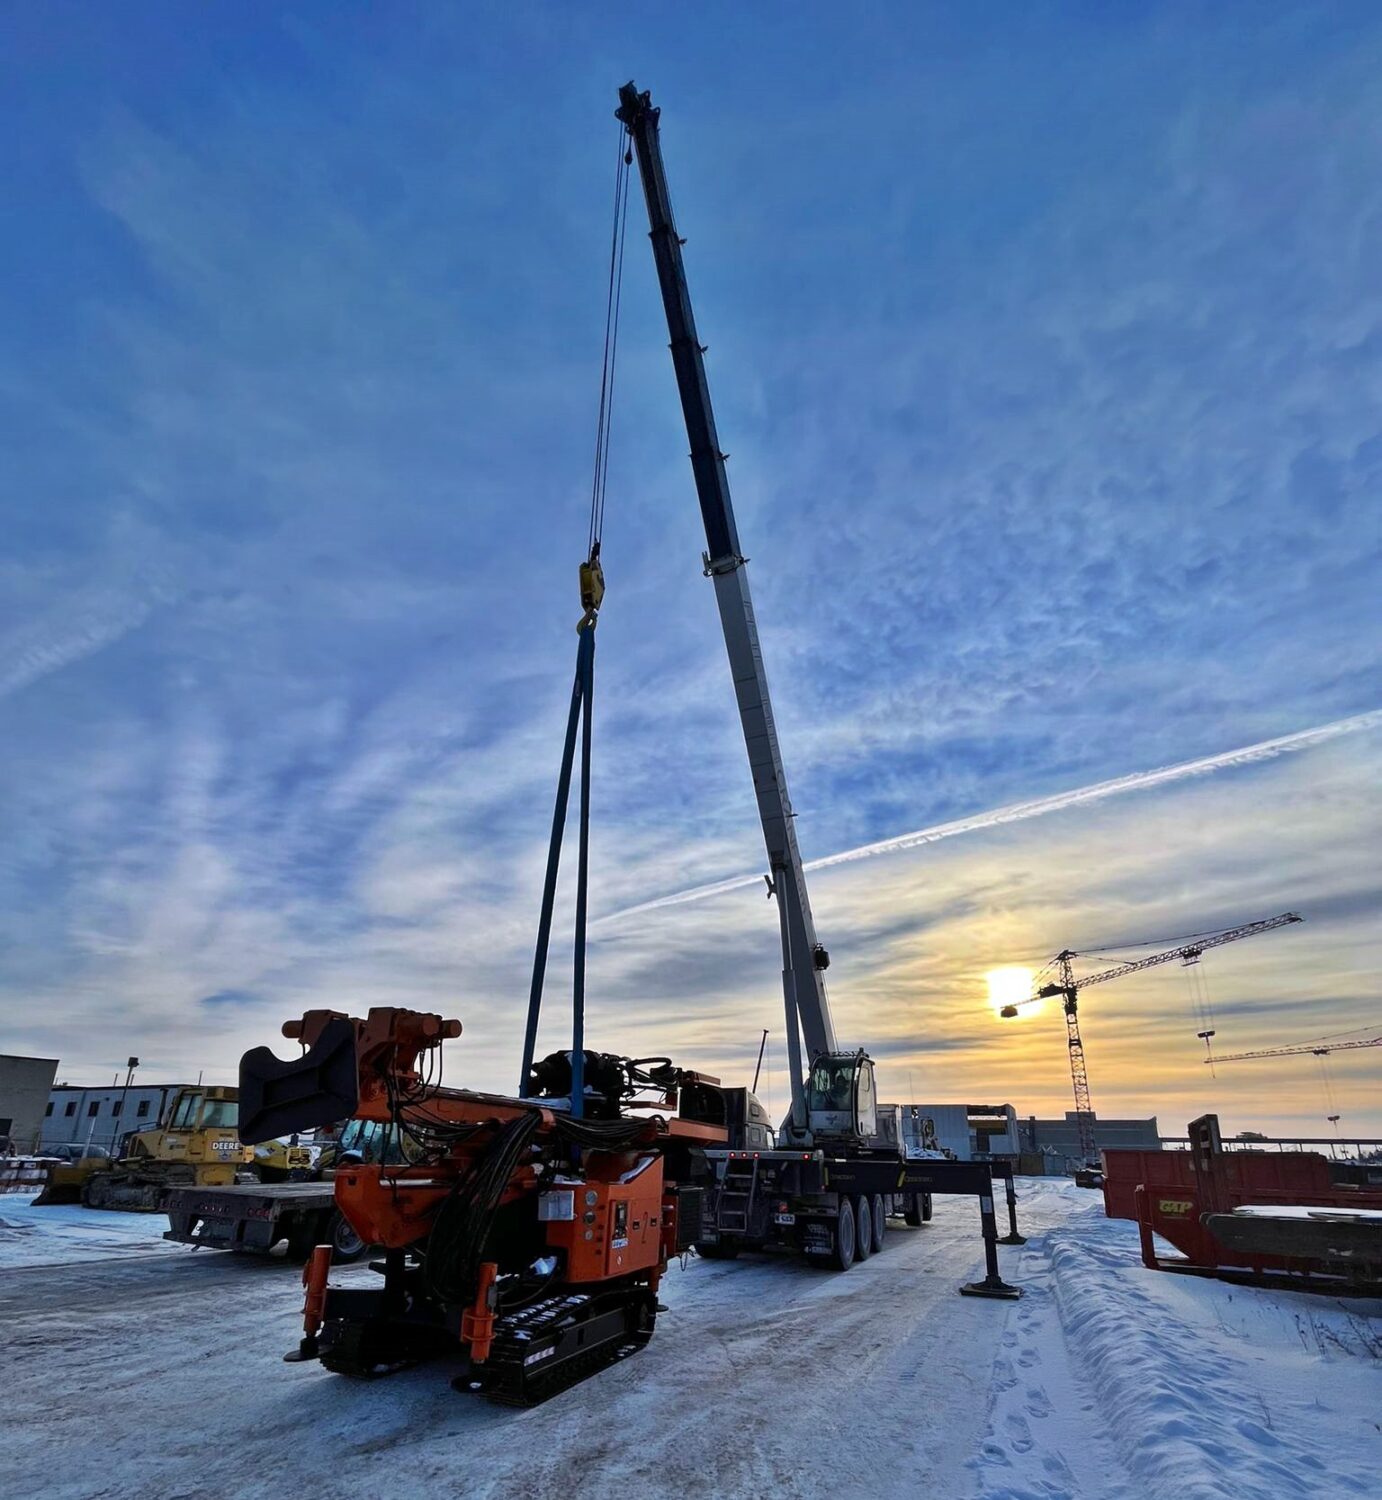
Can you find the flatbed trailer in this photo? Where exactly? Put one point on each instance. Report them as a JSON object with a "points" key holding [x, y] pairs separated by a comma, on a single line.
{"points": [[818, 1204], [253, 1218]]}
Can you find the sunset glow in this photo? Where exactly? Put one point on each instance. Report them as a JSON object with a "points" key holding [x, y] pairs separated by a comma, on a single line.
{"points": [[1008, 986]]}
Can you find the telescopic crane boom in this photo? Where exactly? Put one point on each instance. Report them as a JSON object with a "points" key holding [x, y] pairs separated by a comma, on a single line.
{"points": [[803, 957]]}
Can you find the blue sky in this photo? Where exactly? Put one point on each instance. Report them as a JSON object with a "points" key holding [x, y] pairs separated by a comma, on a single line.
{"points": [[1047, 345]]}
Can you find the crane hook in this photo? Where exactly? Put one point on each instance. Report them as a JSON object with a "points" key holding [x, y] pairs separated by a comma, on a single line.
{"points": [[592, 587]]}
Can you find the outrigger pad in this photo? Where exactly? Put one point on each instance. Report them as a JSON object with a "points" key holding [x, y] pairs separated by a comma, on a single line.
{"points": [[319, 1088], [1000, 1291]]}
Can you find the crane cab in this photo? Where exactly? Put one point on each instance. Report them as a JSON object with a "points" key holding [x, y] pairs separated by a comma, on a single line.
{"points": [[841, 1100]]}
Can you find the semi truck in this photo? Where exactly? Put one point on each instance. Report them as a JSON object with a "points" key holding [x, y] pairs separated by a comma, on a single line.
{"points": [[837, 1170]]}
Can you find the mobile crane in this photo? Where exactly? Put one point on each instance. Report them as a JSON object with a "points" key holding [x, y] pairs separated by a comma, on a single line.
{"points": [[839, 1170]]}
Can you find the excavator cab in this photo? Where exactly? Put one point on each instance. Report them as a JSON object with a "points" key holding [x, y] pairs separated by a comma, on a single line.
{"points": [[841, 1101]]}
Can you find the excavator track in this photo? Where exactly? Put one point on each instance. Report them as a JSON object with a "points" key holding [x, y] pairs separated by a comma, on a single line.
{"points": [[547, 1348]]}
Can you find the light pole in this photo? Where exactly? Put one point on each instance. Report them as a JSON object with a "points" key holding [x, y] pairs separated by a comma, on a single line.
{"points": [[130, 1066]]}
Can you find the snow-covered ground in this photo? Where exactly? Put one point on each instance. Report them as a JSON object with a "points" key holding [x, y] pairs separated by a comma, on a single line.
{"points": [[136, 1368], [63, 1233], [1115, 1381]]}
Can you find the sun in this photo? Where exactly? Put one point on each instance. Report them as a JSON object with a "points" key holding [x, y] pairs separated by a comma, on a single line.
{"points": [[1008, 985]]}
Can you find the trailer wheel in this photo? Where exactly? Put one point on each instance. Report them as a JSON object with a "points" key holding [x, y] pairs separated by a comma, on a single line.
{"points": [[346, 1245], [863, 1227], [842, 1253], [926, 1206], [880, 1221], [328, 1227], [912, 1212]]}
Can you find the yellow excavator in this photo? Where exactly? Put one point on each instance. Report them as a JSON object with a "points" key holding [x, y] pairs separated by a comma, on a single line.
{"points": [[194, 1145]]}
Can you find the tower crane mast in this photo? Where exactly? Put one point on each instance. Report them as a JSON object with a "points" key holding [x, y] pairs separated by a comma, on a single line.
{"points": [[1067, 987]]}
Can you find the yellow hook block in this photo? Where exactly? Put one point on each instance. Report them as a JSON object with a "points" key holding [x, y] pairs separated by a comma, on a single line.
{"points": [[592, 587]]}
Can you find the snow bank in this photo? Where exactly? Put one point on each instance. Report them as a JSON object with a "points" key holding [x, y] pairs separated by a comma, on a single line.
{"points": [[1117, 1381], [64, 1234]]}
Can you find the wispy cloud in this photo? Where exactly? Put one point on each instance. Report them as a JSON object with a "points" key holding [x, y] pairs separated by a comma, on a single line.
{"points": [[1081, 474], [78, 628], [1017, 812]]}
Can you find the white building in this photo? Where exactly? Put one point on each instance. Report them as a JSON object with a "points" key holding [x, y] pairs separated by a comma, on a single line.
{"points": [[100, 1117]]}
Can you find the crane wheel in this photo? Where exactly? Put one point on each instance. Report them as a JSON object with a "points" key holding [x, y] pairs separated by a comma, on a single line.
{"points": [[841, 1256], [880, 1221], [863, 1227]]}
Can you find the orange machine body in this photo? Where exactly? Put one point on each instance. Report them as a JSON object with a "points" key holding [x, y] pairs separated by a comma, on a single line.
{"points": [[606, 1223], [529, 1239], [620, 1219]]}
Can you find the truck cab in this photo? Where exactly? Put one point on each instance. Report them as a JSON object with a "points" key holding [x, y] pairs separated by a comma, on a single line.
{"points": [[841, 1099]]}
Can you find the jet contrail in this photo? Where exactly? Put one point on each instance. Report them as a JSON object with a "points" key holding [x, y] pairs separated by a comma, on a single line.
{"points": [[1016, 812]]}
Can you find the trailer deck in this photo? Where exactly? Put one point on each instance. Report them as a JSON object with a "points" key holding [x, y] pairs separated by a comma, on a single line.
{"points": [[253, 1218]]}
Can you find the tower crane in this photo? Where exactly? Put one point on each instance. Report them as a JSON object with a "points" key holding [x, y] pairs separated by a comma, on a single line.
{"points": [[1068, 987]]}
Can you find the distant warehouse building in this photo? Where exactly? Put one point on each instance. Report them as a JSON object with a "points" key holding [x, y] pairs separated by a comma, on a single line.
{"points": [[100, 1117], [24, 1086], [967, 1131], [1059, 1140]]}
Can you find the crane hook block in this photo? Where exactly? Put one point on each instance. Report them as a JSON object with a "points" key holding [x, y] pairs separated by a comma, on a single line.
{"points": [[592, 586]]}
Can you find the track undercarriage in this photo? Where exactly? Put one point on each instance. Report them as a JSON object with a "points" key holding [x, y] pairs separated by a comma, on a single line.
{"points": [[135, 1189], [536, 1351]]}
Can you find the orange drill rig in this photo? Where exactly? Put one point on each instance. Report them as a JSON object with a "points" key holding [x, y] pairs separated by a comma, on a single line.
{"points": [[519, 1238]]}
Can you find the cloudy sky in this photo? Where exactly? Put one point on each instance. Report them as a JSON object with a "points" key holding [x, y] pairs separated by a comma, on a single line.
{"points": [[1047, 344]]}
